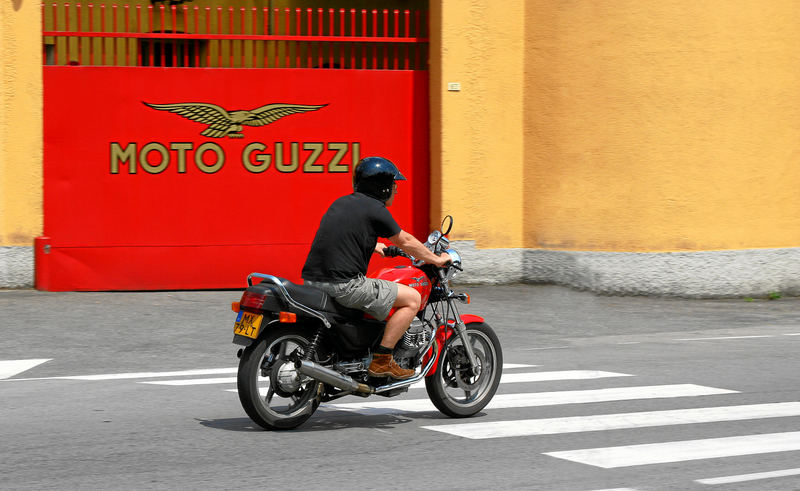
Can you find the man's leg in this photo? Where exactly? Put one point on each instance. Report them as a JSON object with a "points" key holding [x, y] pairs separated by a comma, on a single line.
{"points": [[407, 305]]}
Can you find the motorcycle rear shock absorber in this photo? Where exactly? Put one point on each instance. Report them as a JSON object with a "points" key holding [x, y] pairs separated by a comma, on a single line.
{"points": [[315, 342]]}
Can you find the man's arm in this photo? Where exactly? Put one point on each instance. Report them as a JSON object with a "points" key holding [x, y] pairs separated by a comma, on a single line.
{"points": [[412, 246]]}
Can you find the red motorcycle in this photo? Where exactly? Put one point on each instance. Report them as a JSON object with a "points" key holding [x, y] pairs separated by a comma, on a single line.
{"points": [[301, 348]]}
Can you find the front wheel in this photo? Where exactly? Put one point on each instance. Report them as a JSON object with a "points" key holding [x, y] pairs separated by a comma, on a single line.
{"points": [[454, 389], [272, 392]]}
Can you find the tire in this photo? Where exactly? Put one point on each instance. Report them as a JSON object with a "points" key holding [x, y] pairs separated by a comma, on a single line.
{"points": [[271, 391], [452, 390]]}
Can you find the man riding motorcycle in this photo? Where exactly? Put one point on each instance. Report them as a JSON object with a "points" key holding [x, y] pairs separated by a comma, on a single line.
{"points": [[346, 238]]}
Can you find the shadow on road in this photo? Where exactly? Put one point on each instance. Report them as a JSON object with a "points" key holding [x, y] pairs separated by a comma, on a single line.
{"points": [[230, 424], [329, 422]]}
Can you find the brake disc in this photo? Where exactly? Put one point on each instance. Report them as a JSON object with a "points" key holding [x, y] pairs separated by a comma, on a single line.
{"points": [[460, 367], [464, 374]]}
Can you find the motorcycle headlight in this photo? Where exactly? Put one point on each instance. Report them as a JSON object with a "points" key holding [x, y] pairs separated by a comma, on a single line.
{"points": [[456, 261]]}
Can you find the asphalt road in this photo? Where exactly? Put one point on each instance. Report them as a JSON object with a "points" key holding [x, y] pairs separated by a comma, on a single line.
{"points": [[600, 393]]}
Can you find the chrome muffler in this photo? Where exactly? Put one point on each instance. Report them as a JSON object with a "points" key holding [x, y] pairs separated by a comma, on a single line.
{"points": [[332, 377]]}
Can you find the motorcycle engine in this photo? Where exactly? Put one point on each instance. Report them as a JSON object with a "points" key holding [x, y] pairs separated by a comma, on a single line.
{"points": [[407, 352], [417, 336]]}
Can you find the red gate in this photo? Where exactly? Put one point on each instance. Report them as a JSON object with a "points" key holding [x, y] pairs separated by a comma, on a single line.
{"points": [[175, 175]]}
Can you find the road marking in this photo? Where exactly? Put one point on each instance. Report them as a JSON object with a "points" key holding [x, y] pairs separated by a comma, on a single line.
{"points": [[603, 422], [725, 337], [513, 377], [18, 364], [194, 381], [9, 368], [183, 373], [122, 376], [793, 334], [506, 378], [749, 477], [560, 375], [681, 451], [546, 347], [536, 399]]}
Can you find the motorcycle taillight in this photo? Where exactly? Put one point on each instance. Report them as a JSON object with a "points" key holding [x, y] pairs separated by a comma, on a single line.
{"points": [[252, 300]]}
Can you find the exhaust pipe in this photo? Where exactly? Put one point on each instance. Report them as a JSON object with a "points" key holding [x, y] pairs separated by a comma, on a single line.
{"points": [[332, 377]]}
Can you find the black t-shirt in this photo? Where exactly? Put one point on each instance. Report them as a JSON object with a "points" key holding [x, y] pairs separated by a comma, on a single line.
{"points": [[346, 238]]}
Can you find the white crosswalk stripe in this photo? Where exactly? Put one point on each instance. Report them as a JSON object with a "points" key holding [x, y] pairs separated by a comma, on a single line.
{"points": [[534, 399], [9, 368], [133, 375], [560, 375], [603, 422], [194, 381], [507, 378], [681, 451], [755, 476]]}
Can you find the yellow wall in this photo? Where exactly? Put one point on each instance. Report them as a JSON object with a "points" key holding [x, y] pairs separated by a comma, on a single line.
{"points": [[20, 123], [622, 125], [476, 134], [663, 125]]}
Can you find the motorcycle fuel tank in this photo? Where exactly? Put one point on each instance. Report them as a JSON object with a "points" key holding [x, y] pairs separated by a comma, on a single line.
{"points": [[411, 276]]}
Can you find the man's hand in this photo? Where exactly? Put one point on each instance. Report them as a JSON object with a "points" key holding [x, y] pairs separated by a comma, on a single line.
{"points": [[443, 261], [410, 245], [392, 251]]}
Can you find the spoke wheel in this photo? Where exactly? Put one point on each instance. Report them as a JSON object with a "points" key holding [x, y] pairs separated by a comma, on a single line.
{"points": [[271, 391], [455, 389]]}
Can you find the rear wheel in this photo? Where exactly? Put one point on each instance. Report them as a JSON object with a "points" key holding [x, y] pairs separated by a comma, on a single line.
{"points": [[272, 392], [454, 389]]}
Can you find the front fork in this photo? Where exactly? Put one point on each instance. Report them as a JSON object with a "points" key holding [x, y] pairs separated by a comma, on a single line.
{"points": [[459, 326]]}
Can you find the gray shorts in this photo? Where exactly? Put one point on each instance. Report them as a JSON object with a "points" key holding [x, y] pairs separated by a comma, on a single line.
{"points": [[373, 296]]}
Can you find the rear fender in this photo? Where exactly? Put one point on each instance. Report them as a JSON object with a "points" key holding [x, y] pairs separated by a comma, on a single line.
{"points": [[268, 324], [443, 334]]}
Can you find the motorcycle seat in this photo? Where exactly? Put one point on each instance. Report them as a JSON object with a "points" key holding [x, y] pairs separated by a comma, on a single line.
{"points": [[318, 300]]}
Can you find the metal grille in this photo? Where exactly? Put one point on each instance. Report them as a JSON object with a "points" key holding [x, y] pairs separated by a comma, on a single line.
{"points": [[234, 37]]}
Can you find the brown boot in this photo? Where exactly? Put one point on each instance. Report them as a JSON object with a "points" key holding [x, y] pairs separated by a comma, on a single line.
{"points": [[385, 366]]}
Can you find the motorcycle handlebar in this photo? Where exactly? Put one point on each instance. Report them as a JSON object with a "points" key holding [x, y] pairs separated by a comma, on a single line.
{"points": [[394, 251]]}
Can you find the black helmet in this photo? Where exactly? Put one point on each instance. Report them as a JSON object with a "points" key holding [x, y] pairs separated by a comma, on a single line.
{"points": [[375, 176]]}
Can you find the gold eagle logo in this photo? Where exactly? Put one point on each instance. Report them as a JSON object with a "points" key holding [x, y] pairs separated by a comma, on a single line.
{"points": [[221, 122]]}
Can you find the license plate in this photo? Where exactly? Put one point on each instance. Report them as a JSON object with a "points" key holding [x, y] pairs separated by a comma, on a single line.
{"points": [[248, 324]]}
